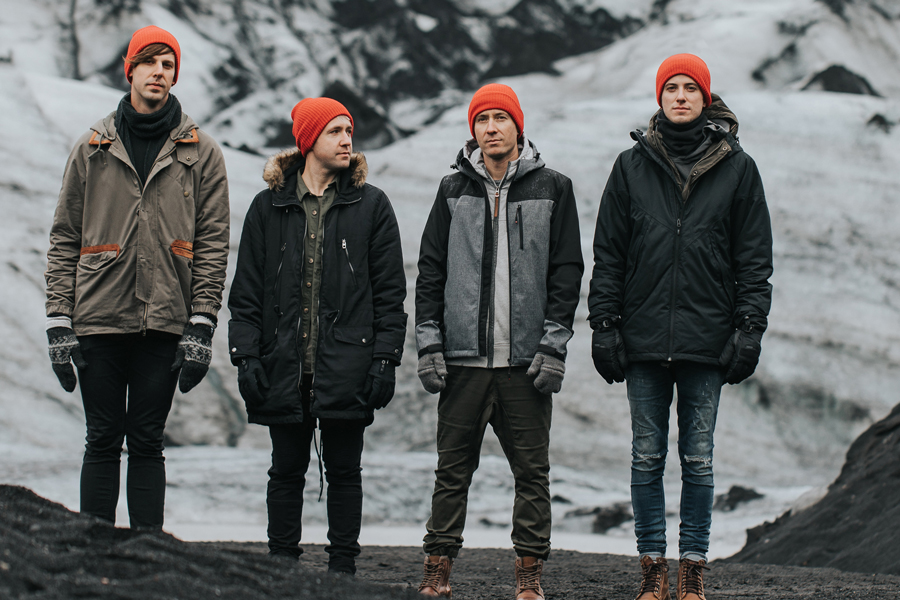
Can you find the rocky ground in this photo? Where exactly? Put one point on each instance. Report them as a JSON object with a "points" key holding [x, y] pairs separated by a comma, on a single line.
{"points": [[856, 525], [48, 552]]}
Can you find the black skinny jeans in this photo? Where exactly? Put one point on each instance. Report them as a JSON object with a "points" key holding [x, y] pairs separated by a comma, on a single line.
{"points": [[127, 390], [342, 445]]}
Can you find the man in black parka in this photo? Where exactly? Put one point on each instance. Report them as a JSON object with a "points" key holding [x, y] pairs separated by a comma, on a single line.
{"points": [[317, 323], [679, 297]]}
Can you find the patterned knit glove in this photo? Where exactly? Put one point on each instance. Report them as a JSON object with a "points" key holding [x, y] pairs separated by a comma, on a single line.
{"points": [[548, 372], [64, 349], [194, 351]]}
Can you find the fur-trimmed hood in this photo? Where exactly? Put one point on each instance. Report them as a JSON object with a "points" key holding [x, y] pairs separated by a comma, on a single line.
{"points": [[280, 165]]}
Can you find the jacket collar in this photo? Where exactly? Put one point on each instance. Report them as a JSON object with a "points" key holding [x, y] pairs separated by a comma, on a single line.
{"points": [[281, 172], [104, 131]]}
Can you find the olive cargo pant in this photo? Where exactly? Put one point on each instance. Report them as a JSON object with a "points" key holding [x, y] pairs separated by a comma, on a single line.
{"points": [[520, 416]]}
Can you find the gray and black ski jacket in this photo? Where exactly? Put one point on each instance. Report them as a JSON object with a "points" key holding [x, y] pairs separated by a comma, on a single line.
{"points": [[457, 255]]}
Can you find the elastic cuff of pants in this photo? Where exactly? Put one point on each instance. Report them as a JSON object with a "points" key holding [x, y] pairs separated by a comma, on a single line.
{"points": [[652, 555], [694, 556], [446, 550]]}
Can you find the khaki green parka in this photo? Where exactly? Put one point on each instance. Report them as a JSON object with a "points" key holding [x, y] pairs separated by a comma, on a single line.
{"points": [[124, 259]]}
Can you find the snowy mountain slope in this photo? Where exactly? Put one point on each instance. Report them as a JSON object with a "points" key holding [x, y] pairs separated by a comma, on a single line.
{"points": [[830, 363]]}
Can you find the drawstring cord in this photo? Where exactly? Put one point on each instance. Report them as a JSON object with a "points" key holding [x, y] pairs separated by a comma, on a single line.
{"points": [[319, 446]]}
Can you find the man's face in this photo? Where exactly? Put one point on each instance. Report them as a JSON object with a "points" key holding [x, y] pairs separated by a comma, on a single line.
{"points": [[496, 134], [334, 145], [682, 99], [151, 81]]}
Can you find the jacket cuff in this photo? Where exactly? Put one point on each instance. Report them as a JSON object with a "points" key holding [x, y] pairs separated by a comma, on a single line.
{"points": [[212, 309], [62, 309], [432, 349], [549, 351]]}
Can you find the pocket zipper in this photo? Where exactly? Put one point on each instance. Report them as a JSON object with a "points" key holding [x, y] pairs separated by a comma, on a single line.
{"points": [[521, 224], [347, 252]]}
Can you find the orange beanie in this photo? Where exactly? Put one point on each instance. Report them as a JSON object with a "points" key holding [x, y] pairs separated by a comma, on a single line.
{"points": [[496, 96], [310, 117], [152, 35], [684, 64]]}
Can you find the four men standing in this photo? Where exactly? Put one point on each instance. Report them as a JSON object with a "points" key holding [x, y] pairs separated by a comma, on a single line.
{"points": [[679, 298]]}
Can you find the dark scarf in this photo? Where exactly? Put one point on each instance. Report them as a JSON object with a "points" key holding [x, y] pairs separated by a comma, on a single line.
{"points": [[145, 135], [682, 139]]}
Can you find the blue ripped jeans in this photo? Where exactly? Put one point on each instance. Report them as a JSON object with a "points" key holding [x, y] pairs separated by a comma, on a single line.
{"points": [[650, 386]]}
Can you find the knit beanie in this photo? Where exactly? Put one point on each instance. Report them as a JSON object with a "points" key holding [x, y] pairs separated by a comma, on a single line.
{"points": [[152, 35], [683, 64], [310, 117], [496, 96]]}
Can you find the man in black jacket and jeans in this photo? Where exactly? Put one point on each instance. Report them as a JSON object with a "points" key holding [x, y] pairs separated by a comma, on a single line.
{"points": [[500, 269], [317, 322], [679, 297]]}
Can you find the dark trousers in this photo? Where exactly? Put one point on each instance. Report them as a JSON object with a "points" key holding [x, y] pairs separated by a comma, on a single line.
{"points": [[341, 448], [520, 416], [127, 390]]}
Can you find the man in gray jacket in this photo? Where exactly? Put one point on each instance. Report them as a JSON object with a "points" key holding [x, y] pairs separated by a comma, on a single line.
{"points": [[500, 269], [134, 277]]}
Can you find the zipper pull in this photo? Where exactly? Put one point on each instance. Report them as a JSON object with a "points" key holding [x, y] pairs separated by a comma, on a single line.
{"points": [[678, 223], [497, 203], [344, 244]]}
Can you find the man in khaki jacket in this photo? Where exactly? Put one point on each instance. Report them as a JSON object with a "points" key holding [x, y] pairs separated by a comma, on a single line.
{"points": [[135, 273]]}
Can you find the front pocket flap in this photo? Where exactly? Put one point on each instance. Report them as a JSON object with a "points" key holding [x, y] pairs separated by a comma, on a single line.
{"points": [[99, 249], [182, 248], [361, 336]]}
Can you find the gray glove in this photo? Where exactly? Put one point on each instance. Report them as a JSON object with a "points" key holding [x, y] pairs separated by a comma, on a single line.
{"points": [[549, 371], [433, 372]]}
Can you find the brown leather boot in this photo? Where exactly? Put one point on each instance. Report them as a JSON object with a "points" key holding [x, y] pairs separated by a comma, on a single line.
{"points": [[690, 580], [654, 579], [436, 581], [528, 578]]}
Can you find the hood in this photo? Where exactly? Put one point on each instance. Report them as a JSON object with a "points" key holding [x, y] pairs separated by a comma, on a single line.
{"points": [[280, 166], [469, 159]]}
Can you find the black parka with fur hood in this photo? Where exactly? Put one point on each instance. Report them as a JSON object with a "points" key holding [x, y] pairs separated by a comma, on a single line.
{"points": [[361, 296]]}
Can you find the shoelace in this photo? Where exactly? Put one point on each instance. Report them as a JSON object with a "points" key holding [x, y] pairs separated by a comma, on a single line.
{"points": [[530, 577], [432, 576], [652, 580], [692, 580]]}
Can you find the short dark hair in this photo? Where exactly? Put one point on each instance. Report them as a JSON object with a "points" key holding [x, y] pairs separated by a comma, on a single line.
{"points": [[148, 52]]}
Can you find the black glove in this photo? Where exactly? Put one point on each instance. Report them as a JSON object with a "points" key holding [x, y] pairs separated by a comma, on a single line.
{"points": [[194, 351], [741, 353], [608, 352], [380, 381], [252, 377], [64, 349]]}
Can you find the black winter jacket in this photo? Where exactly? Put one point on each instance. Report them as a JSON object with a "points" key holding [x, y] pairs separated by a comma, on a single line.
{"points": [[361, 297], [682, 266], [456, 262]]}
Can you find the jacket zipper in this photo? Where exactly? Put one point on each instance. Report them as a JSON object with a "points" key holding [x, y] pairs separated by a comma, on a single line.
{"points": [[497, 201], [675, 281], [278, 274]]}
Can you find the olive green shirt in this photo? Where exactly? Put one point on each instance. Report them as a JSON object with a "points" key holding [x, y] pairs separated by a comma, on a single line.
{"points": [[315, 208]]}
